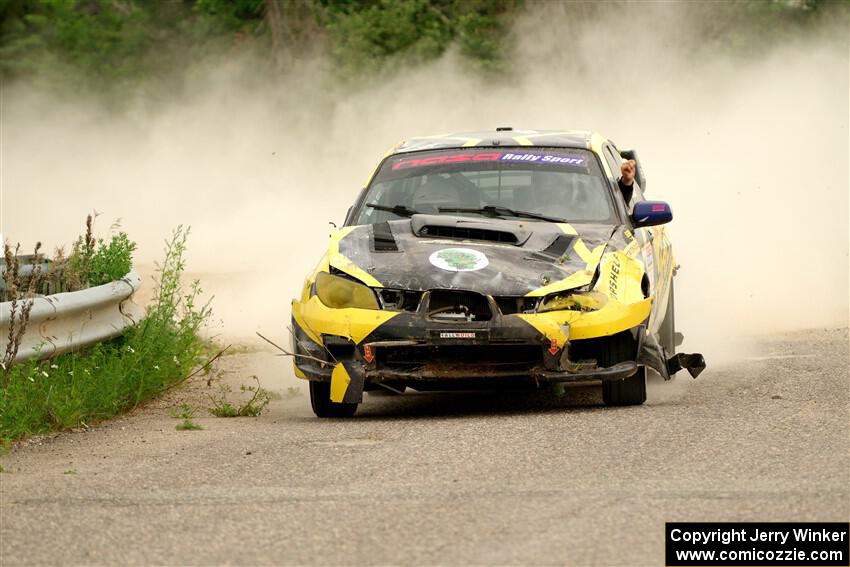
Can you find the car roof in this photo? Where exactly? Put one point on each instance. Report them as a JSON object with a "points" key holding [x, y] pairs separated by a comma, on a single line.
{"points": [[499, 137]]}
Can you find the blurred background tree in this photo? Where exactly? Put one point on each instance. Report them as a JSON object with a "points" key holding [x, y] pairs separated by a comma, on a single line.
{"points": [[100, 44]]}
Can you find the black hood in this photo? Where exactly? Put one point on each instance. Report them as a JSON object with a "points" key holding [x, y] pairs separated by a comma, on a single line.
{"points": [[495, 256]]}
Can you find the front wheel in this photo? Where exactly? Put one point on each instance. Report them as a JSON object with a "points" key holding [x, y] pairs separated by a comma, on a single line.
{"points": [[629, 391], [320, 399]]}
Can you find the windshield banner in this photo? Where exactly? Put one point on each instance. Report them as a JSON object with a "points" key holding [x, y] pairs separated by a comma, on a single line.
{"points": [[512, 157]]}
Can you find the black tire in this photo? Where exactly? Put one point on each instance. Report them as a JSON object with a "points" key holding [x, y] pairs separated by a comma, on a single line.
{"points": [[629, 391], [320, 399], [667, 331]]}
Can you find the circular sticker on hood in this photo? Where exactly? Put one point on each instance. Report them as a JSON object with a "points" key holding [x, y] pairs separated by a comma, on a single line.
{"points": [[459, 259]]}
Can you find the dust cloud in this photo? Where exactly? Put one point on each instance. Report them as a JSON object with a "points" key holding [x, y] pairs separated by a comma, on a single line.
{"points": [[750, 150]]}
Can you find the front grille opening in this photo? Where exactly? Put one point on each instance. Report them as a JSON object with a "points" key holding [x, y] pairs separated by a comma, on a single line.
{"points": [[599, 349], [585, 350], [400, 300], [459, 306], [513, 305], [460, 356], [466, 233], [339, 347]]}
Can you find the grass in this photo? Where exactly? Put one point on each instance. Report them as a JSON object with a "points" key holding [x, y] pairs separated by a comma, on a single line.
{"points": [[188, 425], [183, 411], [97, 383], [223, 407], [92, 261], [187, 414]]}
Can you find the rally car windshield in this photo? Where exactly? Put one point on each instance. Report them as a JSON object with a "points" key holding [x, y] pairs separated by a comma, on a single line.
{"points": [[536, 184]]}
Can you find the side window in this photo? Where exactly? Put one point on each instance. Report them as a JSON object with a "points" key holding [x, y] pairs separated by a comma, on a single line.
{"points": [[612, 156], [614, 161]]}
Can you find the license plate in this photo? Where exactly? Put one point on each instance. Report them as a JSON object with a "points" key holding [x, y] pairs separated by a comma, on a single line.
{"points": [[448, 336], [457, 335]]}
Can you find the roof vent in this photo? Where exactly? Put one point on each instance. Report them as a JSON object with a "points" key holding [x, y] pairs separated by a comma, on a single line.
{"points": [[504, 129]]}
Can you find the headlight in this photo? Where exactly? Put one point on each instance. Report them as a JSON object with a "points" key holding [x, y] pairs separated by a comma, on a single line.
{"points": [[573, 301], [339, 293]]}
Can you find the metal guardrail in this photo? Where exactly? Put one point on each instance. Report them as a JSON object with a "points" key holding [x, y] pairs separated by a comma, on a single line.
{"points": [[51, 283], [69, 321]]}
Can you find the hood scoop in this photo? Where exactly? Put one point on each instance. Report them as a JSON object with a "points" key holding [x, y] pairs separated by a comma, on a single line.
{"points": [[557, 249], [464, 228], [383, 239]]}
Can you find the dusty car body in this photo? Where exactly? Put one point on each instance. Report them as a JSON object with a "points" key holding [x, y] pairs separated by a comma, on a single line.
{"points": [[453, 270]]}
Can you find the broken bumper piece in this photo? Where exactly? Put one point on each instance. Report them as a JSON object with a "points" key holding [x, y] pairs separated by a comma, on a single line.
{"points": [[693, 363]]}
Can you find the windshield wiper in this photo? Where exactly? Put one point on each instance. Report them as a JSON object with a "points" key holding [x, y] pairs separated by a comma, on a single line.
{"points": [[496, 212], [399, 210]]}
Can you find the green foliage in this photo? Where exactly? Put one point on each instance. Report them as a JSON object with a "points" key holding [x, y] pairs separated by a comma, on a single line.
{"points": [[365, 37], [232, 15], [188, 425], [97, 383], [102, 39], [126, 48], [113, 260], [77, 273], [222, 407], [96, 263], [482, 33], [123, 44], [109, 43], [186, 413], [366, 34], [183, 411]]}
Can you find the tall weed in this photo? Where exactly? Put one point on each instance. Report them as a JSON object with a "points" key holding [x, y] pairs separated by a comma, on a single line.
{"points": [[95, 262], [97, 383]]}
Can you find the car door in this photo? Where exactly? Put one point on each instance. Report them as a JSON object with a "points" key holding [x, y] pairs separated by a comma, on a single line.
{"points": [[655, 247]]}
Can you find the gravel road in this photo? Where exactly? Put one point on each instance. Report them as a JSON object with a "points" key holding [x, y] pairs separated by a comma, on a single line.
{"points": [[461, 478]]}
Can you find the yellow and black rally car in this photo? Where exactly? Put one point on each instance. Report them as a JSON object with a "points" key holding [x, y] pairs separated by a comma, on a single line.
{"points": [[492, 259]]}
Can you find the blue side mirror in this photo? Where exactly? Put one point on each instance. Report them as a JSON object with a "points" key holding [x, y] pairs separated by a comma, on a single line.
{"points": [[651, 213]]}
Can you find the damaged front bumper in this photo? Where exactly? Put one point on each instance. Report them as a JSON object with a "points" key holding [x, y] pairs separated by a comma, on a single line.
{"points": [[374, 347]]}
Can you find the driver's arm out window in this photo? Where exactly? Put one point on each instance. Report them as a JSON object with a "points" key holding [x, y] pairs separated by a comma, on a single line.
{"points": [[614, 162]]}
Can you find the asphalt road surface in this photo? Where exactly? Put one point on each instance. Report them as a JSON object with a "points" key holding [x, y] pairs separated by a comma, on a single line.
{"points": [[462, 478]]}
